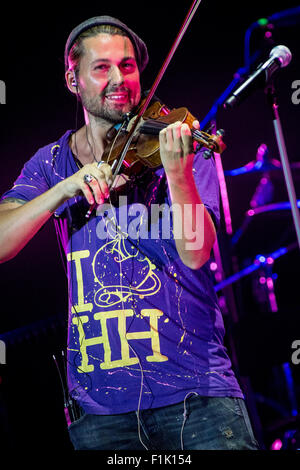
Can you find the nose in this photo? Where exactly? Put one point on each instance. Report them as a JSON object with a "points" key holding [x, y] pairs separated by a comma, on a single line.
{"points": [[116, 76]]}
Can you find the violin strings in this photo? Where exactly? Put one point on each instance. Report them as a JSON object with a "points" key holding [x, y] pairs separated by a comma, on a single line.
{"points": [[199, 135], [153, 127]]}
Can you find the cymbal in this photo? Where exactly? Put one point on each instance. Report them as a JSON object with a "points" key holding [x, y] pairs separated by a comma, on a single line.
{"points": [[275, 206], [259, 166]]}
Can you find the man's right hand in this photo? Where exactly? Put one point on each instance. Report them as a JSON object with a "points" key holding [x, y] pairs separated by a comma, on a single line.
{"points": [[91, 181], [19, 222]]}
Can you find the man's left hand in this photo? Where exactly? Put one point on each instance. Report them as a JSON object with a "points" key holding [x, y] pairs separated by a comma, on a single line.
{"points": [[176, 149]]}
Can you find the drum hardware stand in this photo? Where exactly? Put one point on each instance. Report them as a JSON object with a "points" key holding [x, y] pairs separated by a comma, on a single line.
{"points": [[272, 100], [265, 263], [257, 263], [263, 192]]}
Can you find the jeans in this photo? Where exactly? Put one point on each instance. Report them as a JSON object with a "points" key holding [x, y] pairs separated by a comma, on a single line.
{"points": [[198, 423]]}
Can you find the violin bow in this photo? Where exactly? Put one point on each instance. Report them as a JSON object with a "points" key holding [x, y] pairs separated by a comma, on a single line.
{"points": [[156, 82]]}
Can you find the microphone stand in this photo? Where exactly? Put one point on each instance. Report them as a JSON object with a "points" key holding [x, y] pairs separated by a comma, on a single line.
{"points": [[273, 103]]}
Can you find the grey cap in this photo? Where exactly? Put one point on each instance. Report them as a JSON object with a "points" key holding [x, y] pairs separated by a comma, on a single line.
{"points": [[140, 48]]}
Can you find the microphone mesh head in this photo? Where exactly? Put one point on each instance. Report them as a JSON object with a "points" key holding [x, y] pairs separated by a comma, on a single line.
{"points": [[283, 54]]}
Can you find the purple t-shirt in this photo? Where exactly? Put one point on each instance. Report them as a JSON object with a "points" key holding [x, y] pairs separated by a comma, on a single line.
{"points": [[144, 329]]}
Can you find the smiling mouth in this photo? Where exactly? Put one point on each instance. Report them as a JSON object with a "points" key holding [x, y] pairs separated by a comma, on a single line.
{"points": [[121, 97]]}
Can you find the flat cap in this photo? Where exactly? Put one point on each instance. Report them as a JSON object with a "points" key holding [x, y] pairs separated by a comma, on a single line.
{"points": [[140, 48]]}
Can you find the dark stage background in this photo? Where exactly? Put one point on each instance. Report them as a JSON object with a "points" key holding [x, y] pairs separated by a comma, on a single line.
{"points": [[39, 109]]}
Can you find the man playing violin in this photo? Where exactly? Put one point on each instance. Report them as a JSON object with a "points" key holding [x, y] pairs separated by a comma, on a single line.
{"points": [[147, 367]]}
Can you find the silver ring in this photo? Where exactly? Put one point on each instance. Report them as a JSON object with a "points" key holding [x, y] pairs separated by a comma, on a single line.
{"points": [[100, 163], [88, 178]]}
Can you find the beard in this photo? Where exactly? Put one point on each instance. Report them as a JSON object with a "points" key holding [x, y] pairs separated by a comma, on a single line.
{"points": [[101, 109]]}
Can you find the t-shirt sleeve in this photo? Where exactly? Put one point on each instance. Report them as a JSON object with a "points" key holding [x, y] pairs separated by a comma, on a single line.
{"points": [[32, 181], [206, 179]]}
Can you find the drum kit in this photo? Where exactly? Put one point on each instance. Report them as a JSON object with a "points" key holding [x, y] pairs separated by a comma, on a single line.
{"points": [[269, 171], [271, 216], [271, 224]]}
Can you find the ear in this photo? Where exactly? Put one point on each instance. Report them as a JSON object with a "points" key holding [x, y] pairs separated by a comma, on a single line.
{"points": [[71, 81]]}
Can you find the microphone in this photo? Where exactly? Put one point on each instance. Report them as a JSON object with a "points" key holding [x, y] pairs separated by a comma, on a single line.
{"points": [[280, 56]]}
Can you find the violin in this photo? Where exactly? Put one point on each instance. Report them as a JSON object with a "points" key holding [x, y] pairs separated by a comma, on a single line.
{"points": [[144, 146]]}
